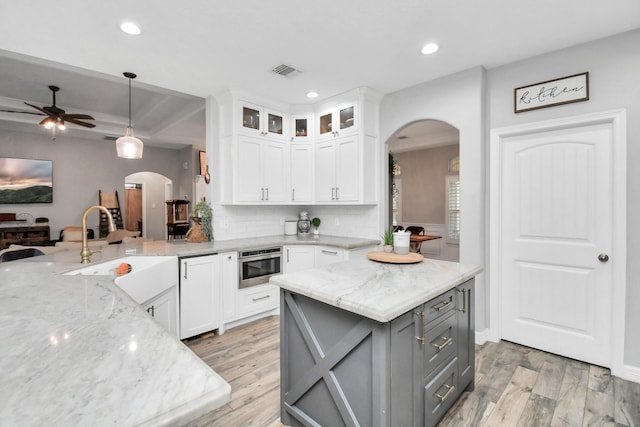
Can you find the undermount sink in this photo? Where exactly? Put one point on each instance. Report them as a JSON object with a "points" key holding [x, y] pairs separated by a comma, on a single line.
{"points": [[149, 276]]}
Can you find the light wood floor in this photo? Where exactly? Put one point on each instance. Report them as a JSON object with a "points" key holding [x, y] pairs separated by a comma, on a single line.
{"points": [[515, 385]]}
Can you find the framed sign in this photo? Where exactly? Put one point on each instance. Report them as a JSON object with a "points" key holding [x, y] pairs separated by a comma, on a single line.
{"points": [[568, 89]]}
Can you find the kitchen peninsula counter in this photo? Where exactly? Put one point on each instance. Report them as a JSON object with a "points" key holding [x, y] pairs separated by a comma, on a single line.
{"points": [[77, 350]]}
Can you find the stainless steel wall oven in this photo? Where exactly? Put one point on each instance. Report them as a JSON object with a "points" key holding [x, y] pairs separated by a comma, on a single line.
{"points": [[256, 266]]}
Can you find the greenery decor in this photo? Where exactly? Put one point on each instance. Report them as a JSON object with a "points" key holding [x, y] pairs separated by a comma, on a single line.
{"points": [[203, 211], [316, 222], [388, 236]]}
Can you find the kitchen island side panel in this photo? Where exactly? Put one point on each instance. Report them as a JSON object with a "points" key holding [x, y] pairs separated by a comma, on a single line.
{"points": [[333, 365]]}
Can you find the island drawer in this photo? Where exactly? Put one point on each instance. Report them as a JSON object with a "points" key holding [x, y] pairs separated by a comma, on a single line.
{"points": [[440, 393], [439, 307], [440, 342]]}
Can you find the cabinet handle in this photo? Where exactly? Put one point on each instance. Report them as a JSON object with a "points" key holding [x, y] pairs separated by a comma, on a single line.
{"points": [[287, 255], [293, 194], [267, 192], [420, 337], [261, 298], [185, 269], [333, 190], [324, 251], [464, 300], [337, 198], [446, 342], [450, 389], [262, 193], [152, 310], [442, 306]]}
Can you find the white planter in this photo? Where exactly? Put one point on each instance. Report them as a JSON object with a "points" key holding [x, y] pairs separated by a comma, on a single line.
{"points": [[401, 241]]}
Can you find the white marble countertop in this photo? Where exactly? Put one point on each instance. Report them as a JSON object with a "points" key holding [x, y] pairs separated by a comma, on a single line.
{"points": [[77, 350], [377, 290]]}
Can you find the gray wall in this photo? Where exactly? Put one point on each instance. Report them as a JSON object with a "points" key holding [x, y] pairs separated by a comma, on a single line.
{"points": [[423, 183], [81, 167], [614, 82]]}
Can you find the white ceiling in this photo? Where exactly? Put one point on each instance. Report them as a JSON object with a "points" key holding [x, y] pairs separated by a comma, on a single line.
{"points": [[204, 47]]}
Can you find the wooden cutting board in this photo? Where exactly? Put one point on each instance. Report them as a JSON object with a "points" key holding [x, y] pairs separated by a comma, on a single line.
{"points": [[392, 258]]}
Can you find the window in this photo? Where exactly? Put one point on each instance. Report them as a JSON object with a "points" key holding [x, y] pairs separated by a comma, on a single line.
{"points": [[452, 214]]}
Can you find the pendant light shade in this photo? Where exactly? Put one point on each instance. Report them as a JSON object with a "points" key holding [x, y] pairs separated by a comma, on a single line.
{"points": [[128, 146]]}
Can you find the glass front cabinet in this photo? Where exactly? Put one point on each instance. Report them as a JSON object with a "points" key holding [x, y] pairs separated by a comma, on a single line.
{"points": [[260, 121], [302, 128], [337, 122]]}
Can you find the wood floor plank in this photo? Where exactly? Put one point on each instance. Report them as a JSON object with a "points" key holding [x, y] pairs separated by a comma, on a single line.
{"points": [[600, 380], [571, 402], [511, 404], [598, 409], [550, 379], [538, 412], [627, 402]]}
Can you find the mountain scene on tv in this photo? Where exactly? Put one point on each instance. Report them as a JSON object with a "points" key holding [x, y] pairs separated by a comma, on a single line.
{"points": [[26, 181]]}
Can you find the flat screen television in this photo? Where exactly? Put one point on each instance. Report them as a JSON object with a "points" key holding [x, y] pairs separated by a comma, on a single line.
{"points": [[25, 181]]}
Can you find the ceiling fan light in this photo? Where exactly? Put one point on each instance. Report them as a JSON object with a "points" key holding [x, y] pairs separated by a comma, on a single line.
{"points": [[48, 124], [61, 126], [128, 146]]}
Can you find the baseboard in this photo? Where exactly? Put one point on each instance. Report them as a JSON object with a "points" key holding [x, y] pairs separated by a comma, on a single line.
{"points": [[631, 373], [482, 337]]}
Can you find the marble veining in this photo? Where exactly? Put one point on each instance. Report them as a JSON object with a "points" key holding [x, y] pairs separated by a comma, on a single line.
{"points": [[376, 290]]}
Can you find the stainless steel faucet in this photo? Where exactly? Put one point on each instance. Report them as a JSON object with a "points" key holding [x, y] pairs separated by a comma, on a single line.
{"points": [[85, 253]]}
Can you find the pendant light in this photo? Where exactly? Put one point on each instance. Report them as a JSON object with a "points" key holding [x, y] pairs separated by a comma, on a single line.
{"points": [[128, 146]]}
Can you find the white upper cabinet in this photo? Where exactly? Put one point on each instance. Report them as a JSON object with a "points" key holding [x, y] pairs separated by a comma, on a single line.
{"points": [[261, 173], [338, 121], [338, 170], [301, 176], [302, 129], [261, 121]]}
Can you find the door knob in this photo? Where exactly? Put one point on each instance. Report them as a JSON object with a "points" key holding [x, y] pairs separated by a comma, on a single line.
{"points": [[603, 257]]}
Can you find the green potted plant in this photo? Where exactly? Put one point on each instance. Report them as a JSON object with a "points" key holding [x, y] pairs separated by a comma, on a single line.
{"points": [[388, 239], [316, 224], [202, 215]]}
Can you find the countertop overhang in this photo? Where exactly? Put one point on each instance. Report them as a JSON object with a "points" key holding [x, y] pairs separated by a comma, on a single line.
{"points": [[375, 290]]}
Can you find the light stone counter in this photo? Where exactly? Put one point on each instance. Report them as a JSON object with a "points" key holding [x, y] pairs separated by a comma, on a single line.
{"points": [[76, 350], [377, 290]]}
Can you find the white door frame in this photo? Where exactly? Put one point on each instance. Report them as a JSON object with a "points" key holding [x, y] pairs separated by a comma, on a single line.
{"points": [[617, 120]]}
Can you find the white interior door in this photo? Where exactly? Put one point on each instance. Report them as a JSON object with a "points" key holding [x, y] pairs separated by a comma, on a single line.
{"points": [[556, 197]]}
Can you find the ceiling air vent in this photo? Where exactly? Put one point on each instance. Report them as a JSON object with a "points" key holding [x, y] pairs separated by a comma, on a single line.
{"points": [[110, 138], [285, 70]]}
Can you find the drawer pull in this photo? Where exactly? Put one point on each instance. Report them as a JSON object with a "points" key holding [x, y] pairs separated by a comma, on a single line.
{"points": [[446, 342], [442, 305], [261, 298], [324, 251], [420, 337], [450, 389]]}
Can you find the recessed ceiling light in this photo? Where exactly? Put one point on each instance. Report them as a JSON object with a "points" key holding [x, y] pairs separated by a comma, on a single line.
{"points": [[312, 94], [429, 48], [130, 28]]}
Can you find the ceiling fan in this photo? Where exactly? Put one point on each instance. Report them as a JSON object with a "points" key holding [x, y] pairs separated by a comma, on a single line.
{"points": [[56, 116]]}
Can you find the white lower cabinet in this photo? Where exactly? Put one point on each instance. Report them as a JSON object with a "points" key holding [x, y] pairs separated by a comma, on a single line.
{"points": [[326, 255], [229, 278], [298, 257], [257, 299], [164, 309], [199, 295]]}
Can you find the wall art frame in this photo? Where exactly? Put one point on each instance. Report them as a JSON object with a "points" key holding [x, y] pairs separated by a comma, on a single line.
{"points": [[550, 93]]}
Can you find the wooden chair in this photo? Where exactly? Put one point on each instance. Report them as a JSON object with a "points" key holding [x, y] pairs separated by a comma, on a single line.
{"points": [[417, 230]]}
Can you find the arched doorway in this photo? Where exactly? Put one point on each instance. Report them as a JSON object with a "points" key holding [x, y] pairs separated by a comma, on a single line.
{"points": [[424, 184], [149, 190]]}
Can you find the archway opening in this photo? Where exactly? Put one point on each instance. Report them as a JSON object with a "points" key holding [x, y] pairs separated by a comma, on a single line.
{"points": [[145, 196]]}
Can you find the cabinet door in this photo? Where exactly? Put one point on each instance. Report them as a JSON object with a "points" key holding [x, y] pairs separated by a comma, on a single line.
{"points": [[164, 309], [276, 125], [251, 119], [298, 258], [274, 173], [302, 128], [199, 295], [229, 278], [327, 255], [301, 173], [325, 171], [347, 169], [466, 334], [249, 173]]}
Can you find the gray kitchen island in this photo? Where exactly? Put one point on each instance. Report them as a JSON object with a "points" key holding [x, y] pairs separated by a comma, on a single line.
{"points": [[374, 344]]}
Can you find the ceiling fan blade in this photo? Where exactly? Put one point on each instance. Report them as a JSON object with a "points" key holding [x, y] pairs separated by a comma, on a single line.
{"points": [[38, 108], [78, 116], [23, 112], [79, 123]]}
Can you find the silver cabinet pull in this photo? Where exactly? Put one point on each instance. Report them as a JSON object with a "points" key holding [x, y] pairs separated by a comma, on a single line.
{"points": [[603, 258], [185, 269], [267, 191], [420, 337], [293, 194], [333, 189], [446, 342], [287, 255], [262, 193], [261, 298], [152, 310], [337, 197], [324, 251], [464, 300], [450, 389], [442, 305]]}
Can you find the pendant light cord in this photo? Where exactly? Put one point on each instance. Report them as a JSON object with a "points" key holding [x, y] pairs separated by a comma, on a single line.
{"points": [[129, 101]]}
